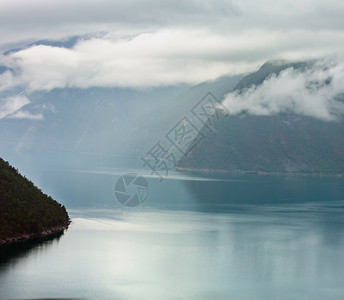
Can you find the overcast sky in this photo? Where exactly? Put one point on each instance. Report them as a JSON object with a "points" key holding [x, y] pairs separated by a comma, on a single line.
{"points": [[150, 43]]}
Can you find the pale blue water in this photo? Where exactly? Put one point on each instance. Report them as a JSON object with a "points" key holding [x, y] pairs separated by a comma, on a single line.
{"points": [[247, 237]]}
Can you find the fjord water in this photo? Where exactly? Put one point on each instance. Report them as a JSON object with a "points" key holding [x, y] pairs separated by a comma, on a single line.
{"points": [[195, 237]]}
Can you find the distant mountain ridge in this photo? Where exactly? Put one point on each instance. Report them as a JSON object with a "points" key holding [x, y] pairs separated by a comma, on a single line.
{"points": [[266, 70], [283, 143]]}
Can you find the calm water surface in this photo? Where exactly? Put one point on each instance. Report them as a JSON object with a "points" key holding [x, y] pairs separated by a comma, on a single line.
{"points": [[239, 238]]}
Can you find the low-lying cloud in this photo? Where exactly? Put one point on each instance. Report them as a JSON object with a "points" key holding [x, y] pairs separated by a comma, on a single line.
{"points": [[147, 60], [316, 92], [166, 57]]}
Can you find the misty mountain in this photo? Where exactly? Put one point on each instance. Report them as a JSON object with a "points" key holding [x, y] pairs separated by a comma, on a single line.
{"points": [[268, 69], [287, 141], [63, 127]]}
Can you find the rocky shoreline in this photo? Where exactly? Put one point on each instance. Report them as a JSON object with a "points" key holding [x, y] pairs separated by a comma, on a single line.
{"points": [[38, 235]]}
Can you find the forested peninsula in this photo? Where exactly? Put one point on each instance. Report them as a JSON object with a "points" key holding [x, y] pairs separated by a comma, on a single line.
{"points": [[25, 211]]}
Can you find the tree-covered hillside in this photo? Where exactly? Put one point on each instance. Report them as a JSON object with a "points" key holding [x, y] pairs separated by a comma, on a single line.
{"points": [[24, 209]]}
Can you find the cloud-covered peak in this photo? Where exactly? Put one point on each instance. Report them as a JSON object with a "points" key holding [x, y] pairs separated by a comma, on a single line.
{"points": [[316, 91]]}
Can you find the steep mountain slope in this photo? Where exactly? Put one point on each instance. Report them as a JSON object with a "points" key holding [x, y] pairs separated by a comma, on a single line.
{"points": [[266, 70], [102, 121], [283, 143]]}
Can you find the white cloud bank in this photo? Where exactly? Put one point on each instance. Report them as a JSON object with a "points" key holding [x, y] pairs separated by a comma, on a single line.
{"points": [[160, 42], [315, 92], [162, 58], [151, 43], [165, 57]]}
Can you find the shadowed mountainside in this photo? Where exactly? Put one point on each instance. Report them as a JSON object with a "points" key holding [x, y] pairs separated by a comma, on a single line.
{"points": [[281, 143]]}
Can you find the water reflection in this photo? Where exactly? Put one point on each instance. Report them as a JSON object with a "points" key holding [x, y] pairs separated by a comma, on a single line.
{"points": [[12, 254], [264, 190]]}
